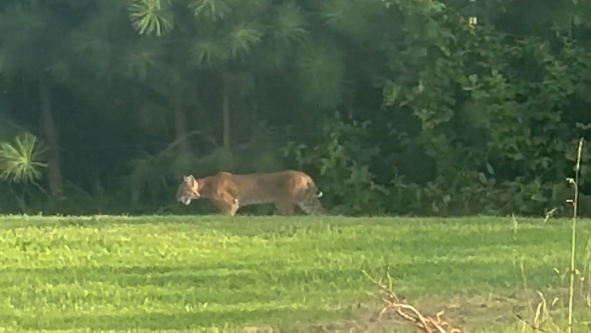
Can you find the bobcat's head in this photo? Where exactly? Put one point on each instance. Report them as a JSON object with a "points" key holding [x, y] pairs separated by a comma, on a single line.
{"points": [[188, 190]]}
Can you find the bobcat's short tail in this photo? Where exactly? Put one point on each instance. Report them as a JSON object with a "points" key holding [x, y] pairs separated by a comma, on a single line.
{"points": [[310, 204], [313, 189]]}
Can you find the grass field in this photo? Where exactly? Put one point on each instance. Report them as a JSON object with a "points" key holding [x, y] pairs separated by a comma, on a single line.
{"points": [[296, 274]]}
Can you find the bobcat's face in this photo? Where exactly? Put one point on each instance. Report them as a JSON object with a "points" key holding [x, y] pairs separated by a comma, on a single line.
{"points": [[188, 190]]}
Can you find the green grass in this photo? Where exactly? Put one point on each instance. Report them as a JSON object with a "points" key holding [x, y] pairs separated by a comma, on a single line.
{"points": [[214, 273]]}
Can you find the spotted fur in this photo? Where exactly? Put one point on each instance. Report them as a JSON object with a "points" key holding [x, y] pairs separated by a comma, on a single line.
{"points": [[228, 192]]}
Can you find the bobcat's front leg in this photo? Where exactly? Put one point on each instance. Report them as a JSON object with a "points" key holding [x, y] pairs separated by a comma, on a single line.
{"points": [[226, 203]]}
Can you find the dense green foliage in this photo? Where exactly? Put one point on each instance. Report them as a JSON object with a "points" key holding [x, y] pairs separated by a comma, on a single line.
{"points": [[395, 107], [211, 274]]}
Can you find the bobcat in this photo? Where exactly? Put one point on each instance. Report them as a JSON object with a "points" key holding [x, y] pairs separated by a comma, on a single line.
{"points": [[229, 192]]}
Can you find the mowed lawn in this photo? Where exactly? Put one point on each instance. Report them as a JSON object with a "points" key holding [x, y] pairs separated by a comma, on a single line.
{"points": [[214, 273]]}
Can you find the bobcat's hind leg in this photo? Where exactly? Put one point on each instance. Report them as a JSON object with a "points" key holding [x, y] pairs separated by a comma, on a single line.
{"points": [[286, 208], [312, 206]]}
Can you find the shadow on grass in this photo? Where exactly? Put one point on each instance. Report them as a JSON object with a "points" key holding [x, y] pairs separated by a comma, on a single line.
{"points": [[268, 281], [123, 277]]}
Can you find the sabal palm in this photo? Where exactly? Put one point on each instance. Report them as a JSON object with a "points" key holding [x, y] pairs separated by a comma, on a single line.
{"points": [[22, 160]]}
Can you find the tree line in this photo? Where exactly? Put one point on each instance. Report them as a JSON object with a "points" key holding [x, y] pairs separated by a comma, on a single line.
{"points": [[426, 107]]}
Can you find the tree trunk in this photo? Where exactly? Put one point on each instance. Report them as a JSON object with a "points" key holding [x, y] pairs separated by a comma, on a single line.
{"points": [[52, 139], [180, 128], [226, 109]]}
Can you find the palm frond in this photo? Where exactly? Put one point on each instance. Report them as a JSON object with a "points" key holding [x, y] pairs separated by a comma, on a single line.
{"points": [[152, 17], [350, 17], [94, 46], [210, 10], [208, 52], [142, 58], [289, 24], [321, 72], [22, 160], [287, 32], [242, 38]]}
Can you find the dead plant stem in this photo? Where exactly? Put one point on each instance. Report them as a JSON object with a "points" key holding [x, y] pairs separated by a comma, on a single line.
{"points": [[572, 268]]}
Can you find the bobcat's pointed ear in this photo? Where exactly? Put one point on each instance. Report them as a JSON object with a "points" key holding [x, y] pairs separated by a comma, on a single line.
{"points": [[189, 178]]}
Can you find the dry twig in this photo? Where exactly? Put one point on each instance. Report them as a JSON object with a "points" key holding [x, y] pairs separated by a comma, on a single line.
{"points": [[426, 324]]}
